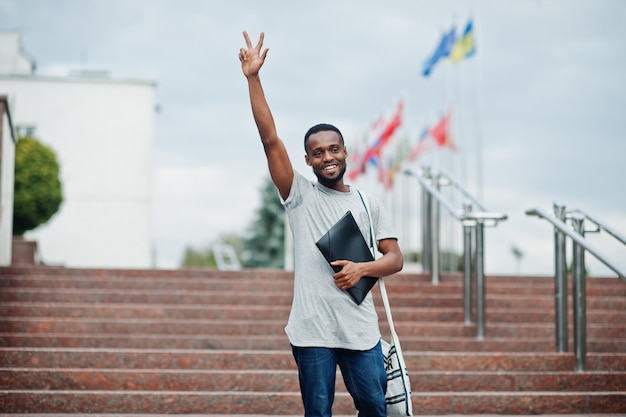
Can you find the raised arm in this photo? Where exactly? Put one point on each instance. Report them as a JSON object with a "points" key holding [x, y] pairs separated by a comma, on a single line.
{"points": [[278, 161]]}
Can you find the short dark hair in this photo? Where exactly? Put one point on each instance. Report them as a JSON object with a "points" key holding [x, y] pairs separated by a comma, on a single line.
{"points": [[321, 128]]}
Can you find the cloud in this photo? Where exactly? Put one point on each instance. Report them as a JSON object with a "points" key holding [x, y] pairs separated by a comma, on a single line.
{"points": [[541, 101]]}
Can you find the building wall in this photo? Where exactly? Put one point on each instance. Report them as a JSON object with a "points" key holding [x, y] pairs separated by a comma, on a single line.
{"points": [[13, 60], [101, 130], [7, 170]]}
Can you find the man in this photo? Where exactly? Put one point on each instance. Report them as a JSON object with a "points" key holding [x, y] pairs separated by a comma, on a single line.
{"points": [[326, 328]]}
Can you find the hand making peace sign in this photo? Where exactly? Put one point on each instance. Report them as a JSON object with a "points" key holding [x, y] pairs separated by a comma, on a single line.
{"points": [[251, 58]]}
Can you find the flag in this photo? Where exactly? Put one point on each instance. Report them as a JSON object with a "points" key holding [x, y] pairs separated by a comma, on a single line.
{"points": [[464, 47], [386, 173], [354, 153], [403, 148], [443, 50], [383, 168], [383, 132], [441, 133], [354, 156], [395, 161], [387, 132], [421, 146]]}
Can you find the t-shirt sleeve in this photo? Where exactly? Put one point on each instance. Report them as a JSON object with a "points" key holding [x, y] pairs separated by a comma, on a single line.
{"points": [[298, 187], [382, 221]]}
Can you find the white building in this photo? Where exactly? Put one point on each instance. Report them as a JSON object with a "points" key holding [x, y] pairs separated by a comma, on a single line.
{"points": [[101, 129], [7, 161]]}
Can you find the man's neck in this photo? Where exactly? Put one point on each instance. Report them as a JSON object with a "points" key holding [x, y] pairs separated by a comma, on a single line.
{"points": [[338, 186]]}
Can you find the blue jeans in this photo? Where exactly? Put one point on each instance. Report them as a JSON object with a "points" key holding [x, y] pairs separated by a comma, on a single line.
{"points": [[363, 373]]}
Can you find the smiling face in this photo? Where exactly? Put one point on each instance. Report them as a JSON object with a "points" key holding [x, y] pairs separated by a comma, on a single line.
{"points": [[326, 154]]}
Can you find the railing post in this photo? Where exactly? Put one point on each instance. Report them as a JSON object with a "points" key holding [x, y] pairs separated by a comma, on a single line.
{"points": [[579, 292], [426, 229], [434, 230], [467, 265], [560, 282], [480, 280]]}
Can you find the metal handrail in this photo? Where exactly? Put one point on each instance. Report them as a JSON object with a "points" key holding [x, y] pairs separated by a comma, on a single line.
{"points": [[579, 239], [475, 202], [473, 223], [459, 214], [437, 194], [603, 226], [580, 244]]}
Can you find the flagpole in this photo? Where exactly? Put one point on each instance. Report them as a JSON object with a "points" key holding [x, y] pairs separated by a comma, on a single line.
{"points": [[479, 139], [406, 212], [451, 108]]}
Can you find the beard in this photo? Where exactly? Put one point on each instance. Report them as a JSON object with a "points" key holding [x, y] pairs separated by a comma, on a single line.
{"points": [[330, 182]]}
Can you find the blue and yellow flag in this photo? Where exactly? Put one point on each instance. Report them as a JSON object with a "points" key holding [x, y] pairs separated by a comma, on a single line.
{"points": [[443, 50], [464, 47]]}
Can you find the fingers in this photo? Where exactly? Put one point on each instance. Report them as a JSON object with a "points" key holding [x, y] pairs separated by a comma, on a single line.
{"points": [[343, 284], [342, 280], [259, 44], [243, 53], [247, 38]]}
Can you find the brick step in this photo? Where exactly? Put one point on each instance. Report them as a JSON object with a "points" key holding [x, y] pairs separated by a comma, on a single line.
{"points": [[289, 403], [282, 279], [237, 342], [15, 357], [147, 311], [258, 274], [394, 284], [224, 312], [133, 318], [256, 415], [275, 298], [287, 380], [187, 284], [276, 327], [150, 274]]}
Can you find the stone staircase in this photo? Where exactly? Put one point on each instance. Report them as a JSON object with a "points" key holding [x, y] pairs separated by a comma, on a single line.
{"points": [[77, 341]]}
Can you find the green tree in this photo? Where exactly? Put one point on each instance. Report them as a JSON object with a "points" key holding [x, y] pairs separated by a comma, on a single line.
{"points": [[194, 258], [204, 258], [265, 245], [38, 194]]}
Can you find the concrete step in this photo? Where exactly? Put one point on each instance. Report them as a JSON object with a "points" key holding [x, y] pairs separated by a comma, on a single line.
{"points": [[245, 312], [257, 274], [147, 311], [209, 342], [287, 380], [398, 283], [47, 357], [150, 274], [274, 298], [289, 403], [260, 327], [237, 342]]}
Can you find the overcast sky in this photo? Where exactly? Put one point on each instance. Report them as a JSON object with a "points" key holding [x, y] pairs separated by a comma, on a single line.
{"points": [[541, 104]]}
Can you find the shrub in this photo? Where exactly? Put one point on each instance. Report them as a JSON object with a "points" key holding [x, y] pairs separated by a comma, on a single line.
{"points": [[37, 192]]}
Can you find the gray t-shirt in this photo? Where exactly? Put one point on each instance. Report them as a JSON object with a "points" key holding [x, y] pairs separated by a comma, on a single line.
{"points": [[322, 315]]}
